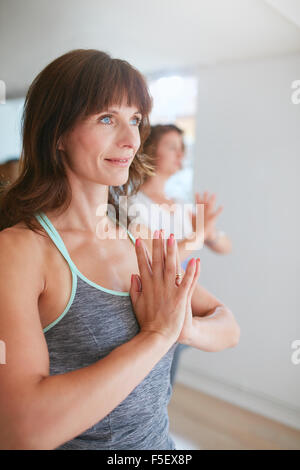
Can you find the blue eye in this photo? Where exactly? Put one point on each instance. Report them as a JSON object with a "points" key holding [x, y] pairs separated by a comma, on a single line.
{"points": [[105, 119], [137, 121]]}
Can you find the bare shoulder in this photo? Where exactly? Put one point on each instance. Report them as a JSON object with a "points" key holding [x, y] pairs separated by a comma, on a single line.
{"points": [[20, 234], [21, 248]]}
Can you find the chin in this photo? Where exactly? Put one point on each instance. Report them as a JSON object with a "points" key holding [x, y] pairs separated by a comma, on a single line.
{"points": [[119, 181]]}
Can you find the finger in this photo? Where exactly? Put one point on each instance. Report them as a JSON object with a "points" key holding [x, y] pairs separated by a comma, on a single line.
{"points": [[170, 263], [135, 288], [142, 261], [157, 257], [198, 198], [163, 247], [184, 287], [195, 279], [218, 211], [148, 260], [205, 196], [179, 269], [212, 199], [139, 282]]}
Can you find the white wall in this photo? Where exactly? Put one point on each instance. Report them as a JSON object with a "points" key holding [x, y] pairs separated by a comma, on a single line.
{"points": [[248, 153]]}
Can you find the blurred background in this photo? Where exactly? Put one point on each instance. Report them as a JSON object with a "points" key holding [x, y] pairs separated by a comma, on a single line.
{"points": [[228, 73]]}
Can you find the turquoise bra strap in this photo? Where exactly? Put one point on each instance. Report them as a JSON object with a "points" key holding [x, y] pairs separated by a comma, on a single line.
{"points": [[48, 226], [55, 237], [130, 235]]}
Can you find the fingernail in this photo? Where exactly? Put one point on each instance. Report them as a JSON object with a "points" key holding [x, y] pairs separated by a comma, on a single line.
{"points": [[156, 234], [138, 242], [170, 241], [193, 261]]}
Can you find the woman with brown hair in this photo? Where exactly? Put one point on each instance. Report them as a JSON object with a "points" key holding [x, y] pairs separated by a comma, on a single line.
{"points": [[165, 147], [97, 375]]}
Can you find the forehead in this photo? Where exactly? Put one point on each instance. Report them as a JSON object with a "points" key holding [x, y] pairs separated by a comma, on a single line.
{"points": [[118, 101], [171, 137]]}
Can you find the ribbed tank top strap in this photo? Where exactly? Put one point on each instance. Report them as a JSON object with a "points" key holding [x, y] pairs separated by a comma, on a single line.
{"points": [[55, 237]]}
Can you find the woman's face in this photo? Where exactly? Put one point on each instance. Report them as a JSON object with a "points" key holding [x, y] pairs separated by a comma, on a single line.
{"points": [[93, 143], [169, 153]]}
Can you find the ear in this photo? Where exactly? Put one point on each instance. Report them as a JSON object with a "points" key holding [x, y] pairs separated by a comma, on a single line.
{"points": [[60, 145]]}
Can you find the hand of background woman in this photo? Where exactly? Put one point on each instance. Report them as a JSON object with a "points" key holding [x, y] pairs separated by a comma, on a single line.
{"points": [[210, 215], [160, 304]]}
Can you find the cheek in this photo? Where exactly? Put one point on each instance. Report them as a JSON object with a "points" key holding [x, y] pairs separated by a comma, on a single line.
{"points": [[163, 162], [87, 143], [138, 140]]}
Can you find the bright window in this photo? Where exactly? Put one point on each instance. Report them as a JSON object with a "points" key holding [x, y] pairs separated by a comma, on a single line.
{"points": [[175, 102]]}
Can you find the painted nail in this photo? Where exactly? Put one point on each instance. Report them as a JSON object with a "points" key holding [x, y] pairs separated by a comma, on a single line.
{"points": [[170, 241], [138, 242]]}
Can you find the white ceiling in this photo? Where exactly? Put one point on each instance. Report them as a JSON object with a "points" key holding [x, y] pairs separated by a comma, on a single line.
{"points": [[154, 35]]}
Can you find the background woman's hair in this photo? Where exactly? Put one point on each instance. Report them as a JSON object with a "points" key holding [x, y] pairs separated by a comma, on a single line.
{"points": [[73, 86], [152, 141]]}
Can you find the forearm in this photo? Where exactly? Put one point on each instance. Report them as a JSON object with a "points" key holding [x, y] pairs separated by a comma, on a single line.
{"points": [[215, 331], [222, 244], [63, 406]]}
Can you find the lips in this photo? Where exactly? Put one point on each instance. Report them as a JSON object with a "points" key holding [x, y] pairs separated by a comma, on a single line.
{"points": [[125, 160], [120, 162]]}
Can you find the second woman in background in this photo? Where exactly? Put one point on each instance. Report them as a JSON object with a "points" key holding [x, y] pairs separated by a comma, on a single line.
{"points": [[166, 147]]}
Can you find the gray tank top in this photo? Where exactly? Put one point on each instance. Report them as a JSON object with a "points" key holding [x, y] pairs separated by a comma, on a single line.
{"points": [[95, 321]]}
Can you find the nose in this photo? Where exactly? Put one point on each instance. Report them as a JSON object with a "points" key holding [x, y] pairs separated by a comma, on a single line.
{"points": [[129, 137]]}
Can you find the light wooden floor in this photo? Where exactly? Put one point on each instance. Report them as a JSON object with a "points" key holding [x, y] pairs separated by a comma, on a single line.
{"points": [[209, 423]]}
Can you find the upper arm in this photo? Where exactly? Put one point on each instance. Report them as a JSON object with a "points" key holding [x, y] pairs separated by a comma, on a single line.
{"points": [[26, 353]]}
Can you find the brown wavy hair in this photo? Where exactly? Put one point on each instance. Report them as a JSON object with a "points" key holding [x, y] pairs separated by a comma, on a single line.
{"points": [[155, 135], [75, 85]]}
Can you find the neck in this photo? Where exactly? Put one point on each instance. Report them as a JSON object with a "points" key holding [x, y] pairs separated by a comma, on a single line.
{"points": [[87, 210], [155, 185]]}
